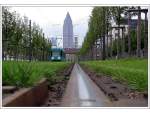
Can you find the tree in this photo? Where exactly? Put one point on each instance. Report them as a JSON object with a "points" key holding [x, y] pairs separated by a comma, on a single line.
{"points": [[97, 29], [139, 34], [16, 37], [118, 14]]}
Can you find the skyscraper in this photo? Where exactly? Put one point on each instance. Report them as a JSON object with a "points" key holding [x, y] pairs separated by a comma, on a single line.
{"points": [[68, 32], [76, 41]]}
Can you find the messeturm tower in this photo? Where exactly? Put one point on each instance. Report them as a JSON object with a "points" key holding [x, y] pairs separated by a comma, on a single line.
{"points": [[68, 32]]}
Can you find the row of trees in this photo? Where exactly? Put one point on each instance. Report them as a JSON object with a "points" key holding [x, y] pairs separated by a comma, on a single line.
{"points": [[99, 32], [21, 39]]}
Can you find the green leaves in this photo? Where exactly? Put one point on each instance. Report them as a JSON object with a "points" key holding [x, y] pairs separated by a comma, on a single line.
{"points": [[99, 19], [15, 30], [95, 29]]}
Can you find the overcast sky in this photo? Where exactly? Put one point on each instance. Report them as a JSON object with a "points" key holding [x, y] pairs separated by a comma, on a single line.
{"points": [[51, 19]]}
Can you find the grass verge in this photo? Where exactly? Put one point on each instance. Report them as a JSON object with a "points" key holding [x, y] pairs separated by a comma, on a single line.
{"points": [[132, 71], [25, 74]]}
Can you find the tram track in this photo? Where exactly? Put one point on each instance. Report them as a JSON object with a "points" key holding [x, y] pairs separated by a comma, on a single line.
{"points": [[81, 91]]}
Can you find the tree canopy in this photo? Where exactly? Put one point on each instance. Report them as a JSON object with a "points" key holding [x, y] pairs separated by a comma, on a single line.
{"points": [[16, 37]]}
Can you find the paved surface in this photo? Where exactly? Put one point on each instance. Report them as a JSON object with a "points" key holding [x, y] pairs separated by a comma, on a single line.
{"points": [[82, 91]]}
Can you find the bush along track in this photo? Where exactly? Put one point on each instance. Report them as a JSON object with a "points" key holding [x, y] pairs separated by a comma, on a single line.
{"points": [[117, 89], [25, 74]]}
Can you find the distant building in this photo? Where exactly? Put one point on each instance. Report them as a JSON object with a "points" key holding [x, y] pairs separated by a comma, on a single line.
{"points": [[133, 25], [68, 32], [114, 31], [76, 41], [71, 54], [54, 41]]}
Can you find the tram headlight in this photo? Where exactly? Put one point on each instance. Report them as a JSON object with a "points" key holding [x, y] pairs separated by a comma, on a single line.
{"points": [[52, 58], [59, 58]]}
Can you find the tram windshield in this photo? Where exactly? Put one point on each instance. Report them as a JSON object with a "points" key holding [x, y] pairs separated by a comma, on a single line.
{"points": [[55, 53]]}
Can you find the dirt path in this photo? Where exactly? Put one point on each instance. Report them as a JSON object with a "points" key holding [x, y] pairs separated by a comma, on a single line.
{"points": [[83, 92]]}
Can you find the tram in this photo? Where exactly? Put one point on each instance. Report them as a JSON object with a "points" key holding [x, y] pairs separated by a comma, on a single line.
{"points": [[57, 54]]}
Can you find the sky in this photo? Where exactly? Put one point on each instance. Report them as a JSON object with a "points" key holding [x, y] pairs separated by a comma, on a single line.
{"points": [[51, 19]]}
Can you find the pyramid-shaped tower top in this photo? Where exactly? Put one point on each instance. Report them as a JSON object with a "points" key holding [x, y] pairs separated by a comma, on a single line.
{"points": [[68, 32], [68, 17]]}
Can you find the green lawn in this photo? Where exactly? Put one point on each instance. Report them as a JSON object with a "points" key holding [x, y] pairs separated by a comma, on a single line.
{"points": [[132, 71], [24, 74]]}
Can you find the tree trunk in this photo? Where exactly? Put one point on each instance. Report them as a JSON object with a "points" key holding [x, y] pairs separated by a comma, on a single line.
{"points": [[104, 52], [30, 57], [139, 34], [91, 53], [111, 44], [96, 50], [123, 43], [146, 36], [106, 34], [101, 46], [107, 46], [129, 39], [118, 42]]}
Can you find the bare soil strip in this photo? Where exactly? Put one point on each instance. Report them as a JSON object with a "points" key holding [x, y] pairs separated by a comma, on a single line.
{"points": [[56, 90]]}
